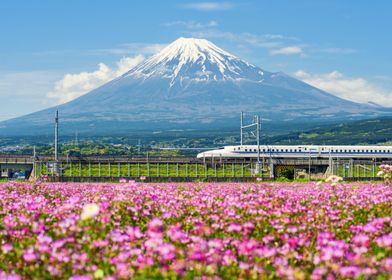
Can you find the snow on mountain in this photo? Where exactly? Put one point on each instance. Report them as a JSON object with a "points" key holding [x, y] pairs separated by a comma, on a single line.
{"points": [[195, 59], [191, 83]]}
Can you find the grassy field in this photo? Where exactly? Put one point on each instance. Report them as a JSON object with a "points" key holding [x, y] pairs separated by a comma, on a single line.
{"points": [[194, 170], [356, 170], [156, 170]]}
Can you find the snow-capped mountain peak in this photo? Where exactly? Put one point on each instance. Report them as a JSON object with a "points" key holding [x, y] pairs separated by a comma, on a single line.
{"points": [[197, 60], [191, 84]]}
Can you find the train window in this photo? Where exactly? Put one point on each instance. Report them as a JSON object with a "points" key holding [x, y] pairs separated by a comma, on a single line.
{"points": [[254, 150], [273, 150], [246, 150]]}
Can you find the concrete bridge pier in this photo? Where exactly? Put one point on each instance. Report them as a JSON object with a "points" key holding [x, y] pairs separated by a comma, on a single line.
{"points": [[272, 169]]}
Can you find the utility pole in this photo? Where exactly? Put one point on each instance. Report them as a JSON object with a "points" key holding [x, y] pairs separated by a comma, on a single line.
{"points": [[34, 165], [56, 139], [255, 123], [76, 139], [310, 156], [258, 137], [242, 124]]}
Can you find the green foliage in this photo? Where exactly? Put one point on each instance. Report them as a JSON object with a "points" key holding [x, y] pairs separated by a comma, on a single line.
{"points": [[285, 172], [373, 131]]}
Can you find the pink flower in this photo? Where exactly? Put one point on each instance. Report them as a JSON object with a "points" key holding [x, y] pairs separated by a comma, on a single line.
{"points": [[349, 271], [29, 255], [155, 225], [361, 240], [6, 248], [318, 273], [385, 241], [80, 277], [10, 277], [167, 251], [234, 228]]}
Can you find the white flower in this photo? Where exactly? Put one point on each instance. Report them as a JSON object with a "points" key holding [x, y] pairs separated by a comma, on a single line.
{"points": [[334, 179], [380, 173], [89, 211]]}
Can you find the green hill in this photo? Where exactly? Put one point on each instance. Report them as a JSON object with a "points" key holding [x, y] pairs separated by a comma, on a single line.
{"points": [[371, 131]]}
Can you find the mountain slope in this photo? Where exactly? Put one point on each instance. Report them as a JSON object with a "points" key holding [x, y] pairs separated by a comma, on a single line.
{"points": [[191, 83], [371, 131]]}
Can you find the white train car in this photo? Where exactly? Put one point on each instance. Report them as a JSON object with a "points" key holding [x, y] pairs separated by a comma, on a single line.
{"points": [[303, 151]]}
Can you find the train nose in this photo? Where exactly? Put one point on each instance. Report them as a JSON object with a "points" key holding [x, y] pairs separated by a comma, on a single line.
{"points": [[200, 155]]}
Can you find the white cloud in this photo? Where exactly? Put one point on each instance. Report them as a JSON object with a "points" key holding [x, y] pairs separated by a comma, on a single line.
{"points": [[290, 50], [191, 24], [355, 89], [72, 86], [274, 43], [130, 49], [209, 6]]}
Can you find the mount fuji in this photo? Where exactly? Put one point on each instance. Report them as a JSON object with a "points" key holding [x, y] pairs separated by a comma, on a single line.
{"points": [[191, 83]]}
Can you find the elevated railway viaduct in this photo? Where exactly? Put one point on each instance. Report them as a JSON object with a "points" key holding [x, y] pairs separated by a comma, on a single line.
{"points": [[106, 168]]}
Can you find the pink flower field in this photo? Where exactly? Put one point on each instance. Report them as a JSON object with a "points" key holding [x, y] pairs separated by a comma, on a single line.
{"points": [[195, 230]]}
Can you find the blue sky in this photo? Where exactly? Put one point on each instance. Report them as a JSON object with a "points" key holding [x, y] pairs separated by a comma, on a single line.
{"points": [[52, 51]]}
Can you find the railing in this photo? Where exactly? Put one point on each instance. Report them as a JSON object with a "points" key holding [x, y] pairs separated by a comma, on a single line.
{"points": [[190, 167]]}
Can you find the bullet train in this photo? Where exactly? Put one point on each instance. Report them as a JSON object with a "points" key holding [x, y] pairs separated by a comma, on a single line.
{"points": [[303, 151]]}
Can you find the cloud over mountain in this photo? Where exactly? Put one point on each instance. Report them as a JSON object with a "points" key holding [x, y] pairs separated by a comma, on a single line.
{"points": [[356, 89], [190, 83], [72, 86]]}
